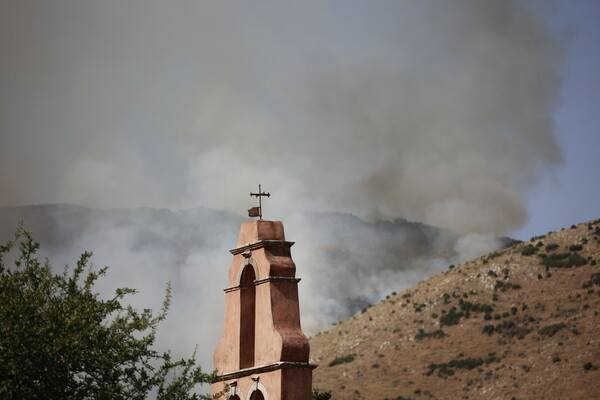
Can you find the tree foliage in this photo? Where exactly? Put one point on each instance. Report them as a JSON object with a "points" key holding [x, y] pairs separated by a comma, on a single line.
{"points": [[60, 340]]}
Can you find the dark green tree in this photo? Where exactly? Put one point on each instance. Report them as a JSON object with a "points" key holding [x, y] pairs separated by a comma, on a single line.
{"points": [[60, 340]]}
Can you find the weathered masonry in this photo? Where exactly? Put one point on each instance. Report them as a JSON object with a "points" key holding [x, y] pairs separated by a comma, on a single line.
{"points": [[263, 353]]}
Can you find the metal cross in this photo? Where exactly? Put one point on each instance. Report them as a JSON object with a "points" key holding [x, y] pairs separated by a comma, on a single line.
{"points": [[260, 194]]}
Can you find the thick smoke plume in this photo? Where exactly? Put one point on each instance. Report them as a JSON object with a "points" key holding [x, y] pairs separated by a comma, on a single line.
{"points": [[439, 112]]}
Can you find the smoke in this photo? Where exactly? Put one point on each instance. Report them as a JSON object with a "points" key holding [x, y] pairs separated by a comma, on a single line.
{"points": [[439, 112]]}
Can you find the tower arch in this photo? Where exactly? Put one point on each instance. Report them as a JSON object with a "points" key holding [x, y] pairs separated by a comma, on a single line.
{"points": [[247, 316]]}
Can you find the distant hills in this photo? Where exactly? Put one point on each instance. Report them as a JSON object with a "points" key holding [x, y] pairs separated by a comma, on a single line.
{"points": [[520, 323], [345, 263]]}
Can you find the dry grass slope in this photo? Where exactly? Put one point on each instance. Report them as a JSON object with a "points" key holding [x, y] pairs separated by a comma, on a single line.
{"points": [[521, 323]]}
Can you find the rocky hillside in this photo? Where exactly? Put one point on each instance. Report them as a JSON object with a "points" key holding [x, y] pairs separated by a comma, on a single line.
{"points": [[521, 323]]}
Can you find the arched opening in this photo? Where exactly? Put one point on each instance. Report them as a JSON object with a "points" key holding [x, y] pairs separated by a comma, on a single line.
{"points": [[247, 317], [257, 395], [234, 397]]}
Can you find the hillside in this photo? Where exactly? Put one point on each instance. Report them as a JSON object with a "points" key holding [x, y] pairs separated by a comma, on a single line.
{"points": [[520, 323]]}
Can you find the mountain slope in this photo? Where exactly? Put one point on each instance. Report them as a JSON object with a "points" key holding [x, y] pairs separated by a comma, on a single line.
{"points": [[519, 323]]}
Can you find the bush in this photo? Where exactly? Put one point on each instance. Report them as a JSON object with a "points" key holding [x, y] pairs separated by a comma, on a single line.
{"points": [[551, 247], [489, 329], [575, 247], [551, 330], [341, 360], [418, 307], [507, 329], [529, 250], [564, 260], [452, 317], [475, 307], [447, 369], [437, 334], [318, 395], [589, 367], [504, 286]]}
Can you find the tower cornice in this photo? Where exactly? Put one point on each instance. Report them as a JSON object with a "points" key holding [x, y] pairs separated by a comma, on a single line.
{"points": [[261, 244], [265, 368]]}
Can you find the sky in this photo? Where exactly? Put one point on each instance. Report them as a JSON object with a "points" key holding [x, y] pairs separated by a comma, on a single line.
{"points": [[477, 117]]}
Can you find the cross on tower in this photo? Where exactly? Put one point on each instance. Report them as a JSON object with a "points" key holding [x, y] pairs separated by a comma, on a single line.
{"points": [[257, 211]]}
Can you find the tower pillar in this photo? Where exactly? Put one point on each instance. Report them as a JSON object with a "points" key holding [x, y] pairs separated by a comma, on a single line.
{"points": [[263, 353]]}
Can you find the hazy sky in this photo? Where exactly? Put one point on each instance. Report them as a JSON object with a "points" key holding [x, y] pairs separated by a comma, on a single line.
{"points": [[573, 194], [469, 115]]}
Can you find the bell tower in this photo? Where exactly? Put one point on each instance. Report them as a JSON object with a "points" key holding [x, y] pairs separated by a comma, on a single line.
{"points": [[263, 353]]}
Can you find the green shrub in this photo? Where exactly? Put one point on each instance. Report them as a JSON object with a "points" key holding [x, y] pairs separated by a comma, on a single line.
{"points": [[575, 247], [550, 330], [475, 307], [504, 286], [556, 359], [341, 360], [489, 329], [447, 369], [589, 367], [452, 317], [418, 307], [507, 329], [437, 334], [318, 395], [551, 247], [564, 260], [529, 250]]}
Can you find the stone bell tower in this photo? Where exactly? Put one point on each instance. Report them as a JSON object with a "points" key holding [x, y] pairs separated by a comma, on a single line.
{"points": [[263, 353]]}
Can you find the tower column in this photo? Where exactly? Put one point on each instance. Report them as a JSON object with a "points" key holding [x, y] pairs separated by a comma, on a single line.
{"points": [[263, 353]]}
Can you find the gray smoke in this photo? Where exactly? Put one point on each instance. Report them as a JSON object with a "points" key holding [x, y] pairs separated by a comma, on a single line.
{"points": [[435, 111]]}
